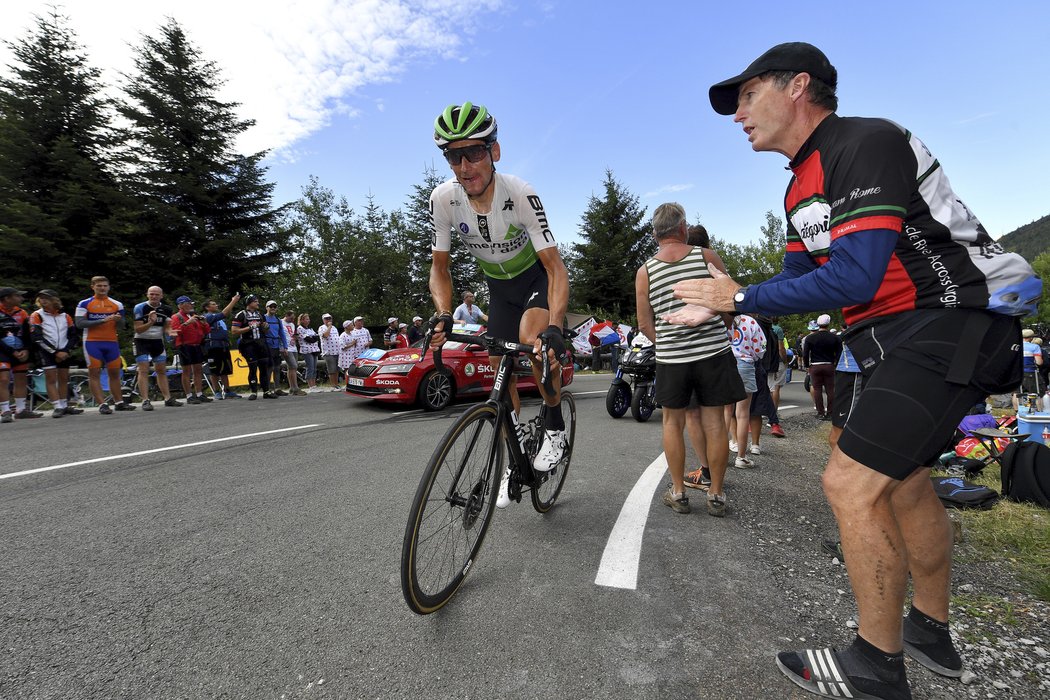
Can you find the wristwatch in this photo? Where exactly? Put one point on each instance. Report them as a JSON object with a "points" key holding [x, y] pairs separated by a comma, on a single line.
{"points": [[738, 298]]}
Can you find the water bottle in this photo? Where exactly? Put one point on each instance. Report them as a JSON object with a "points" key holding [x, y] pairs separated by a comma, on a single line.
{"points": [[1022, 409], [1046, 402], [1046, 436]]}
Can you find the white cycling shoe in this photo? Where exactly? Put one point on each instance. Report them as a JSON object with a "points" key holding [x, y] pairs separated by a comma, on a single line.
{"points": [[503, 499], [551, 451]]}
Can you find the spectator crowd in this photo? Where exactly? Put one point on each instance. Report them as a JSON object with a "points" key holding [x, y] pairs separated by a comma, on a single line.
{"points": [[202, 337]]}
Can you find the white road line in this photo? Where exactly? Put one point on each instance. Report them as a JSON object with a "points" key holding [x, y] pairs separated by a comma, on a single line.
{"points": [[405, 413], [587, 393], [786, 407], [619, 567], [159, 449]]}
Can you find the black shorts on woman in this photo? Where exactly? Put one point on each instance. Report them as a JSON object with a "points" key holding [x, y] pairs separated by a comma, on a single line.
{"points": [[922, 372]]}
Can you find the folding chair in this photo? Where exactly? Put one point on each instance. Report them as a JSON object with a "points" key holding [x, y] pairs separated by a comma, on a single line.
{"points": [[36, 383]]}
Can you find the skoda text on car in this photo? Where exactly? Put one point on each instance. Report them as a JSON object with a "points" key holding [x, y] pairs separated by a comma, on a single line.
{"points": [[400, 377]]}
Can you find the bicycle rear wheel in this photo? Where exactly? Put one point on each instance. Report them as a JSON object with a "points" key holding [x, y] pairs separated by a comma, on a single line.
{"points": [[548, 484], [452, 510]]}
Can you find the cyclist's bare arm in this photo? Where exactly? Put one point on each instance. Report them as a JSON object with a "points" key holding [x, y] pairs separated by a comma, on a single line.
{"points": [[557, 285], [440, 289]]}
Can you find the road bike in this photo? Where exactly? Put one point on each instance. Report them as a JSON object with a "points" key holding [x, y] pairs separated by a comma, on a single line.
{"points": [[454, 503]]}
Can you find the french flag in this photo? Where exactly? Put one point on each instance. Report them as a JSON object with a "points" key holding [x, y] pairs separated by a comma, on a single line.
{"points": [[607, 335]]}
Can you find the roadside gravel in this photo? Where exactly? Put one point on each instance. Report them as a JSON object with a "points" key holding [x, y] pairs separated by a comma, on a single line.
{"points": [[1002, 632]]}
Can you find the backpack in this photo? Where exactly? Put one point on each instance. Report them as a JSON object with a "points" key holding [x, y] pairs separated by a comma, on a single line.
{"points": [[771, 360], [956, 492], [1026, 472]]}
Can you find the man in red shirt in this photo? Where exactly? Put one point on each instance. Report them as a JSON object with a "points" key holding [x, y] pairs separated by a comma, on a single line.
{"points": [[190, 330]]}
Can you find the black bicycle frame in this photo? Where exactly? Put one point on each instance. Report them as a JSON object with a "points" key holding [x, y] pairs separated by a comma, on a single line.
{"points": [[498, 398]]}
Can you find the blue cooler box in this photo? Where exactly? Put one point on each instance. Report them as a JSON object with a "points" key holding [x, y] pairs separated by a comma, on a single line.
{"points": [[1034, 424]]}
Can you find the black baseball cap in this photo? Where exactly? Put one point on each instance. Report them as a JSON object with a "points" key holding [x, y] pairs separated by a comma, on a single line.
{"points": [[8, 291], [797, 56]]}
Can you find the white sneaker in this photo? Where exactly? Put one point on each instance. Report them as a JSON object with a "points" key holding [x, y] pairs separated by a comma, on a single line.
{"points": [[732, 445], [503, 499], [551, 451], [756, 450], [743, 463]]}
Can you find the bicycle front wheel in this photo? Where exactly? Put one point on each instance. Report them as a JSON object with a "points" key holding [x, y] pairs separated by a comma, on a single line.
{"points": [[549, 484], [452, 510]]}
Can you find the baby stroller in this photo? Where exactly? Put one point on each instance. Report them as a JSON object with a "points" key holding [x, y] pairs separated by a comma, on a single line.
{"points": [[634, 384]]}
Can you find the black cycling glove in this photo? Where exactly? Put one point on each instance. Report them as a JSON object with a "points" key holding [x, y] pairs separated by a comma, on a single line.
{"points": [[447, 318], [555, 341]]}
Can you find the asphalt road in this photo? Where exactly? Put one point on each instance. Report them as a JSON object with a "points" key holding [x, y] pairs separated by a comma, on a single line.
{"points": [[268, 566]]}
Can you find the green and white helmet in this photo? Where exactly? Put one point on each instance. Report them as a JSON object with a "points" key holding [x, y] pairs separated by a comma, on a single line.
{"points": [[462, 122]]}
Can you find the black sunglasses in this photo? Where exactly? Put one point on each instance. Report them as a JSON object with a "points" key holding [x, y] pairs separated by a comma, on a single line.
{"points": [[474, 154]]}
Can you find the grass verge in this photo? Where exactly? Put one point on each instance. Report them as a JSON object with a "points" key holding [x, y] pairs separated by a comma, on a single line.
{"points": [[1015, 533]]}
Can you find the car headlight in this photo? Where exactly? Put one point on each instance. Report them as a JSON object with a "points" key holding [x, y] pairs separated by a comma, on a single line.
{"points": [[403, 368]]}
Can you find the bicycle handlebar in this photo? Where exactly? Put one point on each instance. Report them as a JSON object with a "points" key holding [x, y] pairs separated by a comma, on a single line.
{"points": [[494, 344]]}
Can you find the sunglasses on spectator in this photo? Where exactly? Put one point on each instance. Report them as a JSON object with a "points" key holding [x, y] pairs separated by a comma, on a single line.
{"points": [[474, 154]]}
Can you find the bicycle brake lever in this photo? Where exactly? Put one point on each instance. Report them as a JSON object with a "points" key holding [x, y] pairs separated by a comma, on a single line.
{"points": [[545, 376]]}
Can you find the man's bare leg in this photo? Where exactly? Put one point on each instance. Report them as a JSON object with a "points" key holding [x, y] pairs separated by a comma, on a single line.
{"points": [[873, 544]]}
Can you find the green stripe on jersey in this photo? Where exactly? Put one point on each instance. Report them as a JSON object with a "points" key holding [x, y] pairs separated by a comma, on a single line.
{"points": [[509, 269]]}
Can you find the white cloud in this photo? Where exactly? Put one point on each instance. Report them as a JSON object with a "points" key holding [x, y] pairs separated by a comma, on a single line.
{"points": [[668, 189], [291, 64]]}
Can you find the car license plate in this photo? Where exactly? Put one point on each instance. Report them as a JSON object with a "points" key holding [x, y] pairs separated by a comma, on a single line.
{"points": [[355, 381]]}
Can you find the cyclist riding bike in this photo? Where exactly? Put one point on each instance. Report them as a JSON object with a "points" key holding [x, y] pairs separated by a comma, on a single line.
{"points": [[501, 220]]}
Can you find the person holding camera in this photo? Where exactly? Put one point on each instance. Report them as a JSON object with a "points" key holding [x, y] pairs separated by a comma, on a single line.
{"points": [[190, 330], [249, 326], [152, 325]]}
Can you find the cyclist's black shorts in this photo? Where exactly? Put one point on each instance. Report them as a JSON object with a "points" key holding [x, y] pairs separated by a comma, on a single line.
{"points": [[46, 360], [508, 300]]}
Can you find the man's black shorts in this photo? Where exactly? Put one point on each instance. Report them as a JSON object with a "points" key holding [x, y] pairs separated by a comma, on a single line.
{"points": [[191, 355], [848, 386], [220, 362], [713, 381], [908, 410], [508, 300]]}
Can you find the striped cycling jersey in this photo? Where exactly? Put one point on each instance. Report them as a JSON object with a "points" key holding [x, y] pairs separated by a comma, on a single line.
{"points": [[94, 308], [677, 344], [504, 240], [860, 174]]}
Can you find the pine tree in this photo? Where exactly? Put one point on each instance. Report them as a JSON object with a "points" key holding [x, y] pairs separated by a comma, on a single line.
{"points": [[60, 205], [417, 235], [207, 210], [616, 242]]}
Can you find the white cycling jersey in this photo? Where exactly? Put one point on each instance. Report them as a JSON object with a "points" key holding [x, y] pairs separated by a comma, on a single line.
{"points": [[506, 239]]}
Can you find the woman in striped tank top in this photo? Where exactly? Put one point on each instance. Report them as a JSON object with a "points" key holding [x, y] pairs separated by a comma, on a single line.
{"points": [[693, 364]]}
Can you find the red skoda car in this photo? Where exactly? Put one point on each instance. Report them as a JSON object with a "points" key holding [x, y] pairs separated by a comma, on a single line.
{"points": [[399, 376]]}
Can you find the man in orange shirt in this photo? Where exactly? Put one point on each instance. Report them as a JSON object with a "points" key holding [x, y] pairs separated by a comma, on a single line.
{"points": [[98, 316]]}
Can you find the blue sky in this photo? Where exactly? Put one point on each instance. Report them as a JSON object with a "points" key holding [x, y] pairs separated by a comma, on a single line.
{"points": [[348, 91]]}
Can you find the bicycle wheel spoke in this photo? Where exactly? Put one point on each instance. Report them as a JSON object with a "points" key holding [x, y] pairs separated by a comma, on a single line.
{"points": [[451, 511]]}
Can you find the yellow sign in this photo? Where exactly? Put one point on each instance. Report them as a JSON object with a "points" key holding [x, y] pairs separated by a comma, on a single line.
{"points": [[240, 369]]}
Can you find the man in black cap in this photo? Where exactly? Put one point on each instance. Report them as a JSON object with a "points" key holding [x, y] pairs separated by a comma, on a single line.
{"points": [[933, 305], [249, 326]]}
